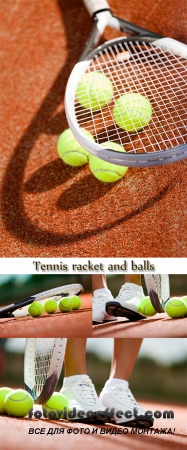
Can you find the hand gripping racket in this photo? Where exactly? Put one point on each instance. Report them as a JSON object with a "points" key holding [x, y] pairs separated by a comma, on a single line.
{"points": [[42, 366], [20, 308], [145, 63], [158, 290]]}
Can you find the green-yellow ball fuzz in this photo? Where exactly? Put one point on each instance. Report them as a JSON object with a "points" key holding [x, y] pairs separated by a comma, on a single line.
{"points": [[70, 151], [176, 308], [132, 112], [18, 403], [105, 171], [35, 309], [76, 302], [184, 298], [146, 308], [3, 393], [94, 91], [55, 406], [50, 306], [65, 304]]}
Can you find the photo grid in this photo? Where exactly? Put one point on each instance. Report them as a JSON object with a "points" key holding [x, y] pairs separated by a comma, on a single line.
{"points": [[93, 331]]}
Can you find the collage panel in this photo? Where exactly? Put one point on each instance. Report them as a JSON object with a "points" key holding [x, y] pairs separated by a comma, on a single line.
{"points": [[147, 408], [45, 305], [133, 305], [93, 169]]}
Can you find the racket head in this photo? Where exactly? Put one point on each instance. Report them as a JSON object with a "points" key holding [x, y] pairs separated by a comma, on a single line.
{"points": [[42, 366], [154, 70], [158, 288], [20, 308]]}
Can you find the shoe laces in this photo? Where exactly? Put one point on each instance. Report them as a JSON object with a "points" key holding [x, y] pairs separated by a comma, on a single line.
{"points": [[127, 290], [126, 395], [87, 389]]}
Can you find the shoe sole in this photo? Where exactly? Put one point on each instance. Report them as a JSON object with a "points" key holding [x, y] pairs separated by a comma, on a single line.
{"points": [[91, 421], [141, 422], [115, 309]]}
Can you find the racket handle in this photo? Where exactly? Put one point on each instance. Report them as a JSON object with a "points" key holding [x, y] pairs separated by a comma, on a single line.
{"points": [[95, 5]]}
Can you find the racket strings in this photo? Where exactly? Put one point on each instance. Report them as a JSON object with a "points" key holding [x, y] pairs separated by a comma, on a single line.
{"points": [[157, 75], [42, 361]]}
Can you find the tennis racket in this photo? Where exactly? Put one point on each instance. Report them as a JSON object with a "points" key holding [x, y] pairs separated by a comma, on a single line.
{"points": [[145, 63], [20, 308], [42, 366], [158, 290]]}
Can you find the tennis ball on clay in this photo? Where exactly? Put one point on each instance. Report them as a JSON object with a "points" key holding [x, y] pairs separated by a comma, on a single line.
{"points": [[132, 112], [50, 306], [35, 309], [55, 406], [65, 304], [76, 302], [176, 307], [146, 308], [18, 403], [184, 298], [70, 151], [105, 171], [94, 91], [3, 393]]}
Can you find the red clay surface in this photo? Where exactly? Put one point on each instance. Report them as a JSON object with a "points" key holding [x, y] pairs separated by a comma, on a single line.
{"points": [[76, 323], [14, 434], [158, 326], [48, 208]]}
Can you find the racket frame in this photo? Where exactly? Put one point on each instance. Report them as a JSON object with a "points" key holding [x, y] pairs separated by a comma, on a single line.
{"points": [[158, 301], [53, 373], [102, 18], [60, 291]]}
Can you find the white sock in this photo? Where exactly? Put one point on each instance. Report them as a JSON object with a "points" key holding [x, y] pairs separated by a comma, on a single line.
{"points": [[67, 381], [114, 381]]}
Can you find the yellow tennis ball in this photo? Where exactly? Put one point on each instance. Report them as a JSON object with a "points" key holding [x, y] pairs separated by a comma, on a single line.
{"points": [[55, 406], [76, 301], [18, 403], [176, 308], [146, 308], [35, 309], [70, 151], [3, 393], [105, 171], [50, 306], [184, 298], [65, 304], [132, 112], [94, 91]]}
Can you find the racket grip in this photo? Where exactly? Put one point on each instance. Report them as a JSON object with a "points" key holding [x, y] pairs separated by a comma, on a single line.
{"points": [[95, 5]]}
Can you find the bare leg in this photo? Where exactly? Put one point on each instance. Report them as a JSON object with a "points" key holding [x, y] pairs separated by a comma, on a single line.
{"points": [[124, 357], [98, 282], [75, 357], [131, 278]]}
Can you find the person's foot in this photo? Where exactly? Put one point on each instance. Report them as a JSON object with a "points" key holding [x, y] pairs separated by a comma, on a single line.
{"points": [[127, 302], [82, 398], [99, 301], [127, 412]]}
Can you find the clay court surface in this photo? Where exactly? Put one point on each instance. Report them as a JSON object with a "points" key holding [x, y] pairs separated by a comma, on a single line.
{"points": [[160, 325], [14, 433], [48, 208], [77, 323]]}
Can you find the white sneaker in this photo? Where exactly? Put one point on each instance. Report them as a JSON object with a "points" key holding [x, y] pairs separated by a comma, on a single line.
{"points": [[127, 411], [99, 301], [83, 400], [127, 302]]}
